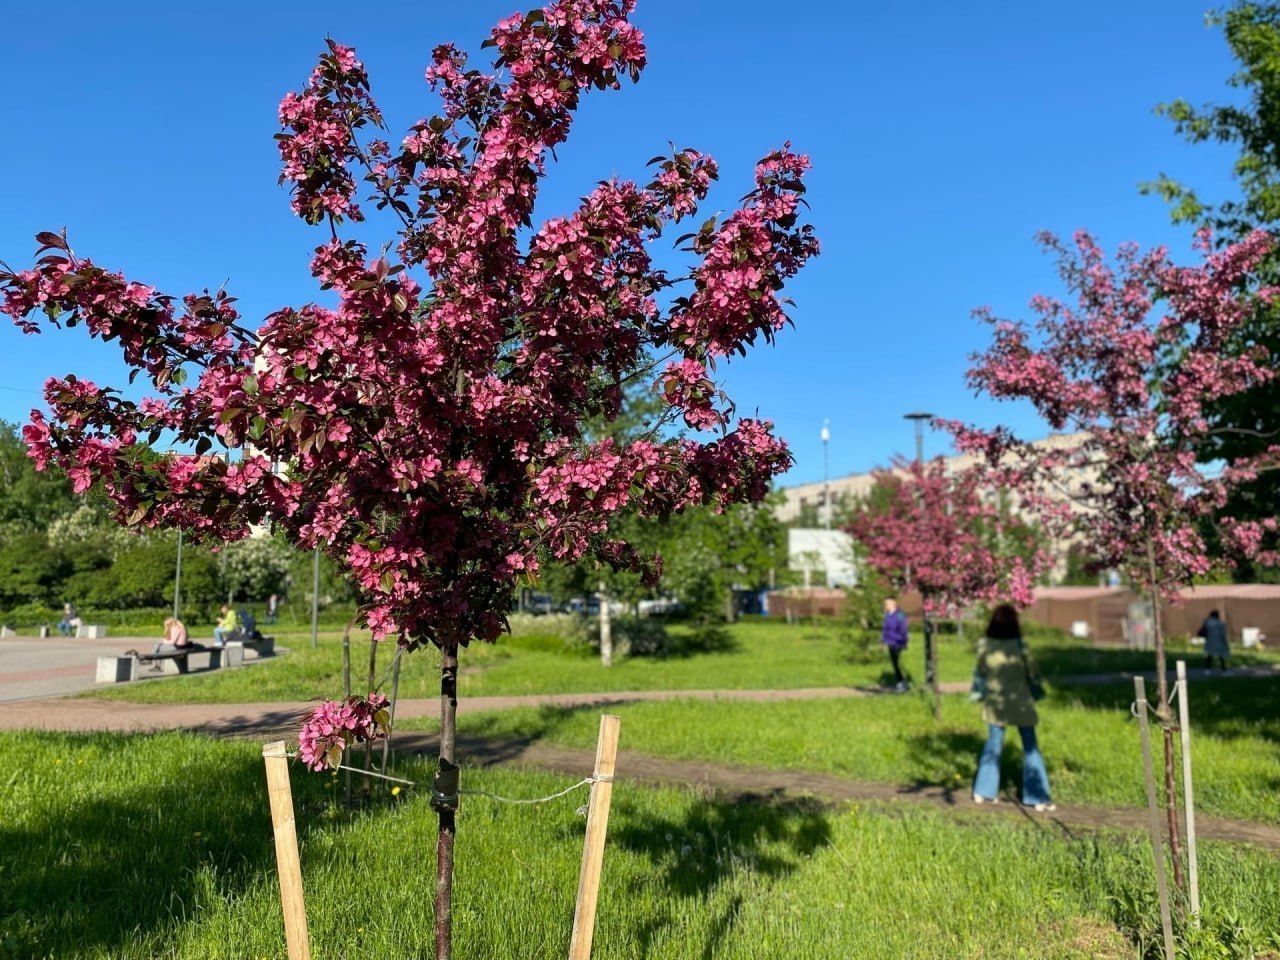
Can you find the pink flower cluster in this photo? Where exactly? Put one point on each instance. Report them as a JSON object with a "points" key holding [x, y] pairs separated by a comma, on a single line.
{"points": [[946, 536], [337, 724], [319, 143], [427, 426]]}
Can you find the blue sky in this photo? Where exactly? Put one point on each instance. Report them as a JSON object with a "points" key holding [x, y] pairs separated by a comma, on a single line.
{"points": [[943, 137]]}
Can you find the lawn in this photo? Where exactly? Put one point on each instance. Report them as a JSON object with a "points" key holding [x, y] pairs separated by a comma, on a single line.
{"points": [[751, 655], [1087, 734], [159, 847]]}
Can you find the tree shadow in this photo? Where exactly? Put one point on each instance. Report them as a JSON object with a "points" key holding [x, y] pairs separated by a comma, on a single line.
{"points": [[1065, 659], [1228, 708], [697, 852], [700, 638], [101, 872]]}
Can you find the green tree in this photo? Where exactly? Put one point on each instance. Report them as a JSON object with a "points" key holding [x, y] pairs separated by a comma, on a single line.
{"points": [[30, 572], [1248, 423], [29, 500], [256, 567]]}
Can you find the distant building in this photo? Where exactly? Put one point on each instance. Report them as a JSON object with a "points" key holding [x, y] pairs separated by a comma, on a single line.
{"points": [[823, 557], [801, 499]]}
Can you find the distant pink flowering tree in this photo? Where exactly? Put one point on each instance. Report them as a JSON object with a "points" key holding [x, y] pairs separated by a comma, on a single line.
{"points": [[1133, 367], [431, 421], [949, 537]]}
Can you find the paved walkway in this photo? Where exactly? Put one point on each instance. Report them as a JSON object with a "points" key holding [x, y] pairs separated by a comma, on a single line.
{"points": [[55, 666], [253, 718]]}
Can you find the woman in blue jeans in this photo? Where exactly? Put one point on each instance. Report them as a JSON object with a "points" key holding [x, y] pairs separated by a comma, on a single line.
{"points": [[1004, 680]]}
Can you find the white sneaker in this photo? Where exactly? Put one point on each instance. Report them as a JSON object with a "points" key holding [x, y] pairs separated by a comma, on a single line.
{"points": [[978, 799], [1045, 807]]}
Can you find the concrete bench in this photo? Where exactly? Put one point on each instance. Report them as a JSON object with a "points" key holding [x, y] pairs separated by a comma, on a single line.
{"points": [[7, 633], [91, 631], [130, 667]]}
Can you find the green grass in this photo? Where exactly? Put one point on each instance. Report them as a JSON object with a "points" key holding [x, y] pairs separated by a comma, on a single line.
{"points": [[755, 655], [1089, 740], [160, 847]]}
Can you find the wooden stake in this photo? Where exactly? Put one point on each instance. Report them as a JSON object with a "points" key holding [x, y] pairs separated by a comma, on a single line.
{"points": [[1188, 794], [346, 692], [584, 913], [1153, 811], [395, 696], [287, 863]]}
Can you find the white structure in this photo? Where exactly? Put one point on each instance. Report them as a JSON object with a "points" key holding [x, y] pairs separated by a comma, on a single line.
{"points": [[855, 486], [822, 553]]}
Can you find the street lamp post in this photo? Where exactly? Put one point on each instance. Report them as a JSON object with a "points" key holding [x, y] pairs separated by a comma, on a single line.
{"points": [[919, 418], [177, 578], [930, 653], [826, 477]]}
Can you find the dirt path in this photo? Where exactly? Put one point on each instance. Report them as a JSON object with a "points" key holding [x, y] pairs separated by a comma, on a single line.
{"points": [[764, 785]]}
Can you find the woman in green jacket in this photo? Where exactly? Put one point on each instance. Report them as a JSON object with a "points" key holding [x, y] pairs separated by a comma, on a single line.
{"points": [[1005, 681]]}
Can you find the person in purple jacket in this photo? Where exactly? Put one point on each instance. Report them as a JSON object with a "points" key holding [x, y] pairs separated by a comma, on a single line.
{"points": [[894, 636]]}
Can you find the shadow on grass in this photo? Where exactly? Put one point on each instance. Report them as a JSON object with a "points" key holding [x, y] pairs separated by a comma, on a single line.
{"points": [[106, 869], [698, 639], [1059, 659], [1226, 708], [696, 853], [953, 754]]}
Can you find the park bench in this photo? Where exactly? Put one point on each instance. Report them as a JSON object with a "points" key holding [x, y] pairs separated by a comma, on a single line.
{"points": [[127, 668], [91, 631], [263, 646]]}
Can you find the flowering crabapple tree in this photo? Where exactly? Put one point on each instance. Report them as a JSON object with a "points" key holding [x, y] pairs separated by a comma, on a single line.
{"points": [[431, 418], [1134, 366], [951, 538]]}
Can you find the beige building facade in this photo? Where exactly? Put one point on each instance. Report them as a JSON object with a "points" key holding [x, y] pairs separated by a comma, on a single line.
{"points": [[805, 497]]}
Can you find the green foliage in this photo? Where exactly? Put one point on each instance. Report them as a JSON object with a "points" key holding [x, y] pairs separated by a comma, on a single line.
{"points": [[29, 500], [29, 570], [863, 614], [256, 567]]}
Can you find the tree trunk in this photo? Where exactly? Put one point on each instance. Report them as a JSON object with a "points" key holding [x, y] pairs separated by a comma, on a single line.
{"points": [[606, 629], [445, 801], [730, 606], [1166, 728], [931, 666]]}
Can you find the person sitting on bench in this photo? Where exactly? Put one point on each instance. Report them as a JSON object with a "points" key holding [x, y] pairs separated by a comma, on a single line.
{"points": [[175, 637], [227, 623]]}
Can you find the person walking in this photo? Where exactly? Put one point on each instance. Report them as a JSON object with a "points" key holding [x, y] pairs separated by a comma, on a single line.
{"points": [[1216, 645], [893, 634], [273, 608], [1006, 683]]}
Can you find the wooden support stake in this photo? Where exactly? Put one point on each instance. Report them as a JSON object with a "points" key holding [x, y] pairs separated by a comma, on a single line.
{"points": [[287, 863], [395, 696], [584, 913], [1153, 811], [1188, 794]]}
